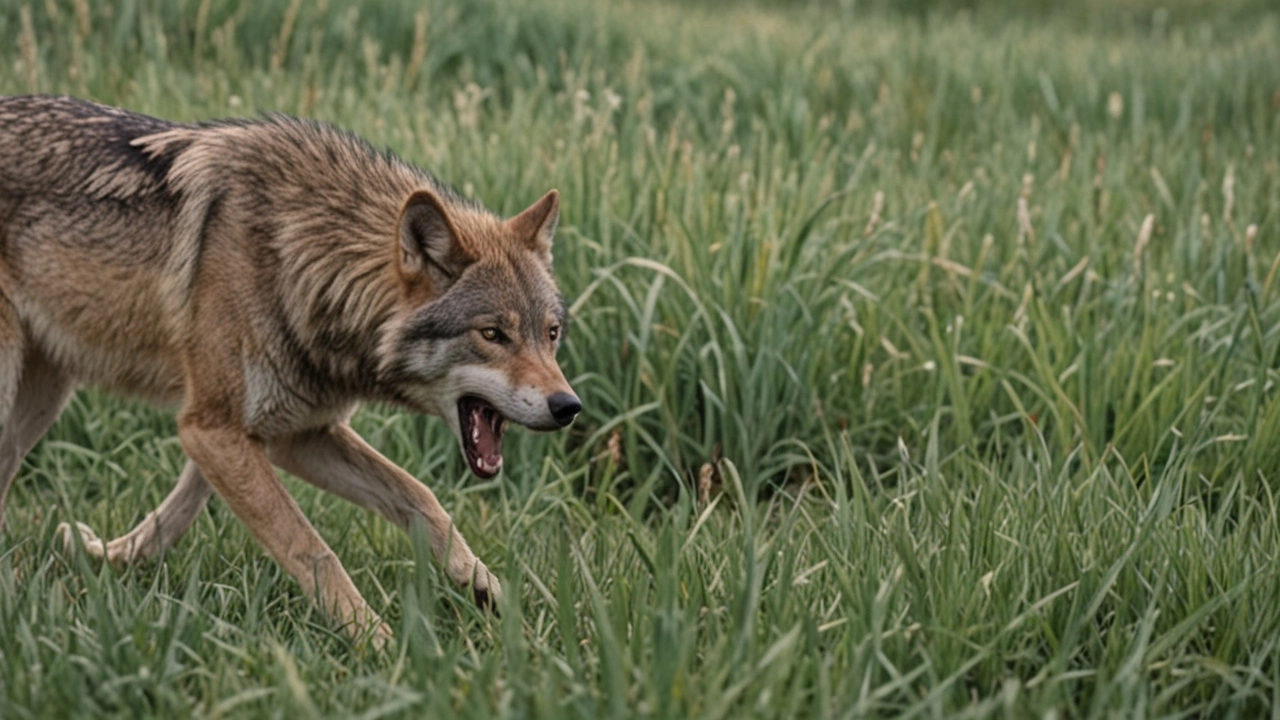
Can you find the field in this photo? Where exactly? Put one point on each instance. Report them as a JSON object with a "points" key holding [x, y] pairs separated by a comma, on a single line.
{"points": [[929, 353]]}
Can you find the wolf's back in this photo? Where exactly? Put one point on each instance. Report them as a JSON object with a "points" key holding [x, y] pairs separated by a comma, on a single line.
{"points": [[53, 145]]}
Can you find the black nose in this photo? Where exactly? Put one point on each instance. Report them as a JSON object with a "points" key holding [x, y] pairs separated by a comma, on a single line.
{"points": [[564, 407]]}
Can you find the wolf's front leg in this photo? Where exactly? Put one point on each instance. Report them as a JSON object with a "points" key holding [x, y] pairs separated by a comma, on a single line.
{"points": [[237, 468], [338, 460]]}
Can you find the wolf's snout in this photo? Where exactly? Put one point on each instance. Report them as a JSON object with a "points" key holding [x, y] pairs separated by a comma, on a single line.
{"points": [[564, 407]]}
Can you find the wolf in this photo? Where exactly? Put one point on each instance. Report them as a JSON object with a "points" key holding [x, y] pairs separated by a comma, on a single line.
{"points": [[265, 277]]}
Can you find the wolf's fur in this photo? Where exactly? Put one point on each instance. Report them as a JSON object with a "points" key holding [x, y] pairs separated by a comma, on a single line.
{"points": [[265, 277]]}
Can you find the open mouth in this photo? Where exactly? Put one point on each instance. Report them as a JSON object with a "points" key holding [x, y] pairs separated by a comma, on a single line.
{"points": [[482, 427]]}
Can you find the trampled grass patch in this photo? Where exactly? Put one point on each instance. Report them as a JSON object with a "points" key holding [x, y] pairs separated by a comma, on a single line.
{"points": [[979, 313]]}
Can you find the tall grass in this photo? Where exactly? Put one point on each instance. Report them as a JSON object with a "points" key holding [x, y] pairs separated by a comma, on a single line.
{"points": [[929, 367]]}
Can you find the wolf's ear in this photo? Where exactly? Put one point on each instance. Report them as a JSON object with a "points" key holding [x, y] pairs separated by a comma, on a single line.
{"points": [[428, 242], [536, 226]]}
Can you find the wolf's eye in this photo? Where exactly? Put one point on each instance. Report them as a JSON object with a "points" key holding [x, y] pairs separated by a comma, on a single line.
{"points": [[493, 334], [554, 333]]}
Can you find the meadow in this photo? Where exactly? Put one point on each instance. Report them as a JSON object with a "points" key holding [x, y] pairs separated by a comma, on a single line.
{"points": [[929, 356]]}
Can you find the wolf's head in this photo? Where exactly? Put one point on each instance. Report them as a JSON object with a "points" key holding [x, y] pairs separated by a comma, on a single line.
{"points": [[477, 342]]}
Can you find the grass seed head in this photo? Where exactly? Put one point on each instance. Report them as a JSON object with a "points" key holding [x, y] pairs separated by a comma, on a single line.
{"points": [[1144, 237]]}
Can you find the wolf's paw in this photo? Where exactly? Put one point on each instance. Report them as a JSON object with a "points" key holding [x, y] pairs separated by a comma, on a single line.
{"points": [[486, 589], [381, 637], [368, 633], [88, 538]]}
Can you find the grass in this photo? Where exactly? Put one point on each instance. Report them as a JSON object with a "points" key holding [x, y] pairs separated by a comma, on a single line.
{"points": [[980, 311]]}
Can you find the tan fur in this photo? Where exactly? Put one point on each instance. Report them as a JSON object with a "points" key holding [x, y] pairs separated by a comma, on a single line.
{"points": [[266, 278]]}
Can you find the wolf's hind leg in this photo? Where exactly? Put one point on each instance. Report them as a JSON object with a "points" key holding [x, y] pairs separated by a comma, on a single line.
{"points": [[32, 393], [159, 530], [338, 460], [11, 351]]}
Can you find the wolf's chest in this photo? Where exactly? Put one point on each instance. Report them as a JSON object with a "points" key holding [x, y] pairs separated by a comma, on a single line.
{"points": [[274, 405]]}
